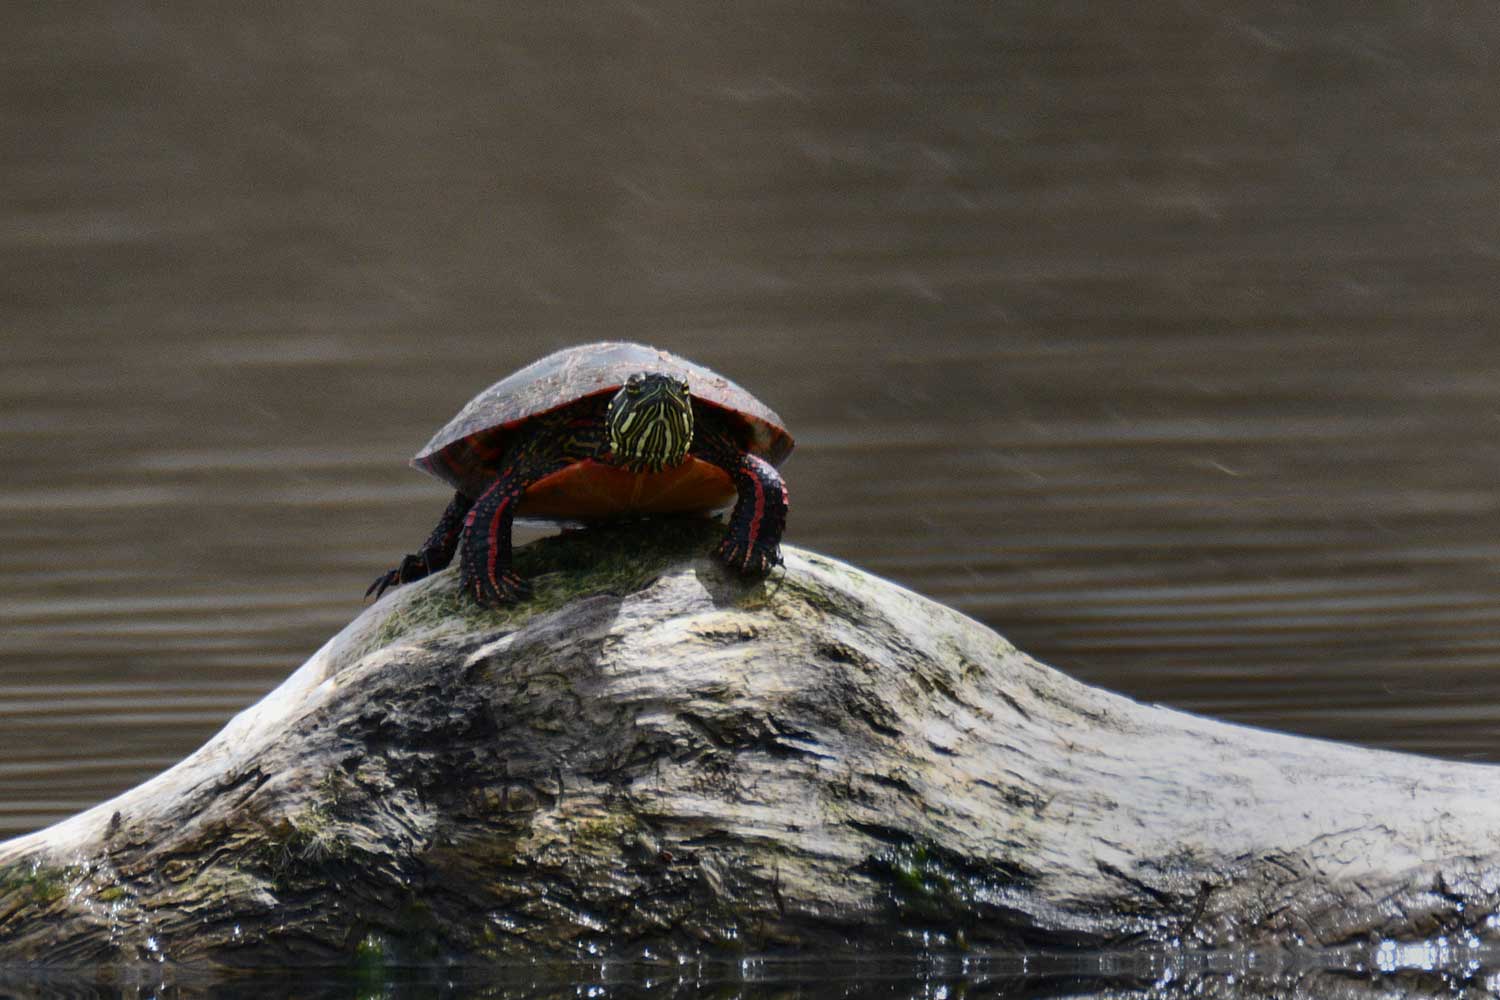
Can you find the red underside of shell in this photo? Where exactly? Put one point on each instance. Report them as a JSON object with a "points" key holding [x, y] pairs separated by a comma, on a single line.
{"points": [[592, 491]]}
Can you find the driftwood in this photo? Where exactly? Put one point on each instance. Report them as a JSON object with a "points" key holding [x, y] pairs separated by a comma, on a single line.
{"points": [[653, 759]]}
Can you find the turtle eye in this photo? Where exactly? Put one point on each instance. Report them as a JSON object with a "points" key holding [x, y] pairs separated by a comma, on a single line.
{"points": [[633, 385]]}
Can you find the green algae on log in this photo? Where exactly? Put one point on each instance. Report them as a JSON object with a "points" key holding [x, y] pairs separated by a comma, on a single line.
{"points": [[652, 758]]}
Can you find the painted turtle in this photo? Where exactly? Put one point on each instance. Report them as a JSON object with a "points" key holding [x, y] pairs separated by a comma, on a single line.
{"points": [[592, 433]]}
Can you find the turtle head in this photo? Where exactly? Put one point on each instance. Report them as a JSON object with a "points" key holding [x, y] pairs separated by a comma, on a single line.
{"points": [[650, 422]]}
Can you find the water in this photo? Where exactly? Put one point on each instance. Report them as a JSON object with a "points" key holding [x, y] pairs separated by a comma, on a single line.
{"points": [[1164, 341], [1432, 969]]}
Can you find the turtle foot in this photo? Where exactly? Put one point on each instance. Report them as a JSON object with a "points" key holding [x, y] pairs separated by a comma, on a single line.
{"points": [[748, 559], [413, 567], [504, 588]]}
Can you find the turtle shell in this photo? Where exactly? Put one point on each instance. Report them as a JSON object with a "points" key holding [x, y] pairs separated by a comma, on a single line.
{"points": [[467, 451]]}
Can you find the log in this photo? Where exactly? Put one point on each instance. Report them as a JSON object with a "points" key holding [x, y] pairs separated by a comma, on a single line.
{"points": [[654, 759]]}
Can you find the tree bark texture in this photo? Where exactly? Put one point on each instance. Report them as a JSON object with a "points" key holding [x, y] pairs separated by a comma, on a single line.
{"points": [[653, 759]]}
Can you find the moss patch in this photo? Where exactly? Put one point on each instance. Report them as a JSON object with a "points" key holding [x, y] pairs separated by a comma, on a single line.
{"points": [[36, 883], [605, 833], [933, 886], [604, 559], [373, 960]]}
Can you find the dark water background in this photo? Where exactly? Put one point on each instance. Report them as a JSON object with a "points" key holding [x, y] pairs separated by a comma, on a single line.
{"points": [[1163, 338]]}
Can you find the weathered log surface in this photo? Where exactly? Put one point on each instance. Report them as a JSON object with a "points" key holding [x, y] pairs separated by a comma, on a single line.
{"points": [[653, 758]]}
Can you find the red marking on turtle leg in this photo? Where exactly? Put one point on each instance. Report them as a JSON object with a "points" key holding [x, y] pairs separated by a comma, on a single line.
{"points": [[753, 542], [502, 513], [486, 544], [485, 547], [753, 531]]}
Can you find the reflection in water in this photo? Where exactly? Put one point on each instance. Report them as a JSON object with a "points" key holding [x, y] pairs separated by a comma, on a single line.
{"points": [[1357, 973]]}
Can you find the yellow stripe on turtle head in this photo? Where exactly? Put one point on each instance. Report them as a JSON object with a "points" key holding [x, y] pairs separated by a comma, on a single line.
{"points": [[650, 422]]}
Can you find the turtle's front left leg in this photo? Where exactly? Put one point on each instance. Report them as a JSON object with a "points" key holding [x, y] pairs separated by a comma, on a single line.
{"points": [[752, 545]]}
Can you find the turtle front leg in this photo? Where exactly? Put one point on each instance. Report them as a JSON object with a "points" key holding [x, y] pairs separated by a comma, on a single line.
{"points": [[435, 553], [484, 571], [752, 545]]}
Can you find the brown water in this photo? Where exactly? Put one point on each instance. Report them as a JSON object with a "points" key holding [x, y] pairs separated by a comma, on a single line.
{"points": [[1164, 339]]}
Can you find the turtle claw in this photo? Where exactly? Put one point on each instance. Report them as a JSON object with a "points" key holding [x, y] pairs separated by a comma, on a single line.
{"points": [[748, 559], [505, 587], [413, 567], [383, 582]]}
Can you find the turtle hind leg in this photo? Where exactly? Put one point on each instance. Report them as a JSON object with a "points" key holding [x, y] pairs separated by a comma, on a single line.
{"points": [[752, 544], [435, 553]]}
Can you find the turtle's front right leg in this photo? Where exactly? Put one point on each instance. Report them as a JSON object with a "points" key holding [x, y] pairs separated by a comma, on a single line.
{"points": [[484, 571], [435, 553]]}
